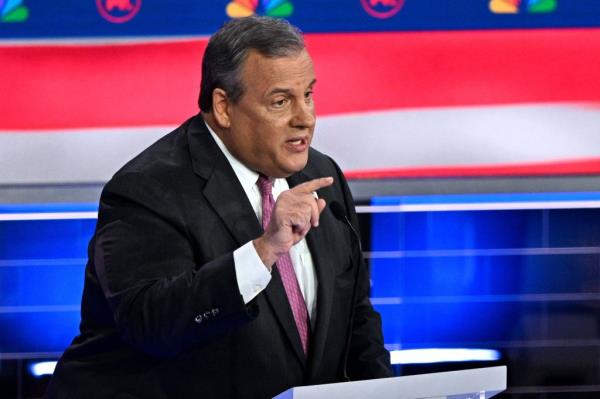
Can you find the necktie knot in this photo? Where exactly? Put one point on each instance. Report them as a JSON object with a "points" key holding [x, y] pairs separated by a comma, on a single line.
{"points": [[265, 186]]}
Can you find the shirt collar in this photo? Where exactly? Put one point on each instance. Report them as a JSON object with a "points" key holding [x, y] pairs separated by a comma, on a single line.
{"points": [[245, 175]]}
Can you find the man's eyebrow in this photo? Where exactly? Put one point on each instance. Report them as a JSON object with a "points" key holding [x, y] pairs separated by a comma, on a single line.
{"points": [[278, 90], [282, 90]]}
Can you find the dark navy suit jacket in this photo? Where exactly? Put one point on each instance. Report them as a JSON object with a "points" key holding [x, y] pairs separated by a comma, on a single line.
{"points": [[162, 316]]}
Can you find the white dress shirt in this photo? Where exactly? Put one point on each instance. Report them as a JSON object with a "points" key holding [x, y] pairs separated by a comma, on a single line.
{"points": [[251, 273]]}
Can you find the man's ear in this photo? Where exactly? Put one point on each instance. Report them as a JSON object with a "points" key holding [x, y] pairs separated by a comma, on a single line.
{"points": [[221, 108]]}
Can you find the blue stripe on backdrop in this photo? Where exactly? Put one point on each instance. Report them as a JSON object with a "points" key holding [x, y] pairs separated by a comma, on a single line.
{"points": [[76, 18]]}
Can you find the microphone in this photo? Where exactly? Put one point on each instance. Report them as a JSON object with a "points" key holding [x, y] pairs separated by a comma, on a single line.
{"points": [[338, 212]]}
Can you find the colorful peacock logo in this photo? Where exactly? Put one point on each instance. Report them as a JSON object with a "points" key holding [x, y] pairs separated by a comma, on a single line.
{"points": [[13, 11], [271, 8], [516, 6]]}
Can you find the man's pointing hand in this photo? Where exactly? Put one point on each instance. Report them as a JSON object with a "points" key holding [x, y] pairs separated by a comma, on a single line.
{"points": [[296, 211]]}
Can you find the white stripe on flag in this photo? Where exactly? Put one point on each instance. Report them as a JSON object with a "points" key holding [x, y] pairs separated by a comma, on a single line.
{"points": [[461, 136]]}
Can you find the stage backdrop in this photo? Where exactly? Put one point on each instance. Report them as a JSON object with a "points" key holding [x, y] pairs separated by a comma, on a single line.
{"points": [[405, 87]]}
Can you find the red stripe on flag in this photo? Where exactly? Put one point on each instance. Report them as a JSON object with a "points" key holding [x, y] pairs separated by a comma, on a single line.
{"points": [[62, 87], [433, 69], [571, 167], [57, 87]]}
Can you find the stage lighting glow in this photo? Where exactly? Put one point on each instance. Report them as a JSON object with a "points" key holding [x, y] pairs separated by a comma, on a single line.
{"points": [[42, 368], [433, 355], [50, 211], [47, 216]]}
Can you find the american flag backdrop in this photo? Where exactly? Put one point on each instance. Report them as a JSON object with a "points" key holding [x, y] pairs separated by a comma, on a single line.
{"points": [[406, 88]]}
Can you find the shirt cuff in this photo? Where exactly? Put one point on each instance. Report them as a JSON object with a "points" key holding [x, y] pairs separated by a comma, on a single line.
{"points": [[251, 273]]}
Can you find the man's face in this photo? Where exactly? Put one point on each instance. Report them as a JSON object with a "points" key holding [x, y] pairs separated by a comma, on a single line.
{"points": [[271, 126]]}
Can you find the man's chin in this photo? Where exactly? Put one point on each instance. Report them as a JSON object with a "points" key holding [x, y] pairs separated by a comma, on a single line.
{"points": [[288, 169]]}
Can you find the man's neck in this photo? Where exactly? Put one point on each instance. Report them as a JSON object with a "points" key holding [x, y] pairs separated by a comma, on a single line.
{"points": [[210, 121]]}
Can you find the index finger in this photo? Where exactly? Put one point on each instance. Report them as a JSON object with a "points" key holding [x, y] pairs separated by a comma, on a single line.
{"points": [[313, 185]]}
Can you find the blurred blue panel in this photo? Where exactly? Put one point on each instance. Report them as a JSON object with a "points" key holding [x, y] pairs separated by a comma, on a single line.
{"points": [[574, 227], [456, 230], [485, 275], [554, 274], [45, 239], [37, 331], [460, 324], [456, 324], [460, 277], [41, 278], [55, 283], [451, 281]]}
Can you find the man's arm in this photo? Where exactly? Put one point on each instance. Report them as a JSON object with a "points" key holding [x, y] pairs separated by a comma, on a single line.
{"points": [[162, 301]]}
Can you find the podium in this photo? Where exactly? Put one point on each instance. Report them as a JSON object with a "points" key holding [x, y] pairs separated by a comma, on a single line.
{"points": [[479, 383]]}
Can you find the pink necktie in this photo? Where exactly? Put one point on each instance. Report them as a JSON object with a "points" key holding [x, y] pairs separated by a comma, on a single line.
{"points": [[285, 267]]}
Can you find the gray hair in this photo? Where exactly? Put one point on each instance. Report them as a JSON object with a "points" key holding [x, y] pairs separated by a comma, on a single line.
{"points": [[228, 48]]}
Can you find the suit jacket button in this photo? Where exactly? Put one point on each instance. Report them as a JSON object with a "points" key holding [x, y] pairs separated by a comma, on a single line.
{"points": [[198, 319]]}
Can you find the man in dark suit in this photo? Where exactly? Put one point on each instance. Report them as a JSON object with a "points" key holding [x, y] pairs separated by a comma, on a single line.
{"points": [[186, 295]]}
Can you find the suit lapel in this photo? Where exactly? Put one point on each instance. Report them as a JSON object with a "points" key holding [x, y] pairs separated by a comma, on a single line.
{"points": [[222, 190], [227, 197], [319, 240]]}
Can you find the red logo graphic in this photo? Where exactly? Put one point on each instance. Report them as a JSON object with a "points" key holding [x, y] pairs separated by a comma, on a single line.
{"points": [[123, 5], [382, 8], [118, 11]]}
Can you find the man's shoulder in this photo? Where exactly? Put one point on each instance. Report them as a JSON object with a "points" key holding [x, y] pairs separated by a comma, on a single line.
{"points": [[169, 152], [163, 170], [161, 178], [320, 164]]}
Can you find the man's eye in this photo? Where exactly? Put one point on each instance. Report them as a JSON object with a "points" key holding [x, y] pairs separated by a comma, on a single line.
{"points": [[280, 103], [308, 94]]}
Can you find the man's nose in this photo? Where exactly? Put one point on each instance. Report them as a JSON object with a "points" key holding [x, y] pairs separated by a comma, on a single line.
{"points": [[304, 115]]}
